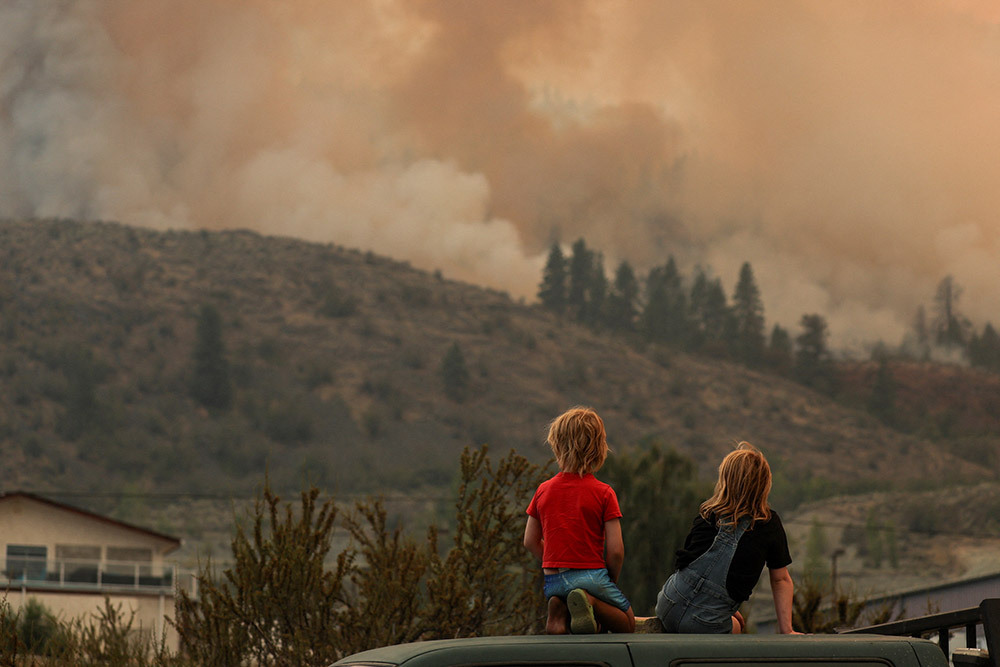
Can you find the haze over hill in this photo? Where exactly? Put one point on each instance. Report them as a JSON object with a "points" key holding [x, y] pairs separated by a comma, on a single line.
{"points": [[336, 359], [845, 149]]}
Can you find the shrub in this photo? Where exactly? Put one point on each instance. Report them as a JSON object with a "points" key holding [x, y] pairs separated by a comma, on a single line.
{"points": [[277, 603], [284, 601], [318, 375], [288, 421], [36, 626], [106, 637], [455, 374], [819, 608], [337, 303]]}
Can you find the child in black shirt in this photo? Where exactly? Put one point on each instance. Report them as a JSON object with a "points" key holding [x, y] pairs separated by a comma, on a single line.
{"points": [[734, 536]]}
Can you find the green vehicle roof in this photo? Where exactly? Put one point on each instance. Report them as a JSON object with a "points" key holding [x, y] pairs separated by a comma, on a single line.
{"points": [[659, 650]]}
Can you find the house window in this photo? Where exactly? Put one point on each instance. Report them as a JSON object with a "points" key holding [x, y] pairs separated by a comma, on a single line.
{"points": [[26, 562], [78, 563], [78, 552], [125, 564], [130, 554]]}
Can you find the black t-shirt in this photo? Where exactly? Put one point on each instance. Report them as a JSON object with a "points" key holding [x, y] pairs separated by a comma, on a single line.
{"points": [[764, 544]]}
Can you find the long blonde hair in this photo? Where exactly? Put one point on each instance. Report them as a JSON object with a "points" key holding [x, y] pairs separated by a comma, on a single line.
{"points": [[578, 440], [742, 490]]}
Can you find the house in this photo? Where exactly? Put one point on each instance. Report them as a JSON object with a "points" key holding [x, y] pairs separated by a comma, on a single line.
{"points": [[70, 560]]}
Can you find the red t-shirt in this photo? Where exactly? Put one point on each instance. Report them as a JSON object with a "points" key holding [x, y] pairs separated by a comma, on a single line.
{"points": [[572, 510]]}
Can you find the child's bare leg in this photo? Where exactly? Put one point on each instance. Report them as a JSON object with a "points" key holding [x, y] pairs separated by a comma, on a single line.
{"points": [[610, 618], [558, 621]]}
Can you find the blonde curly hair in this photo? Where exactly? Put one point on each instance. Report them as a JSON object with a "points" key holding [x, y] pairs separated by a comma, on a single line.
{"points": [[579, 441]]}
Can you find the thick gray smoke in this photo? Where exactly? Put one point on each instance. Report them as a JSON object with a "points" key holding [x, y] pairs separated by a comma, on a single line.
{"points": [[847, 150]]}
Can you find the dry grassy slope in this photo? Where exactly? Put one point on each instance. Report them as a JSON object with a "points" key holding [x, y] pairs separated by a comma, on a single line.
{"points": [[367, 384], [941, 535], [947, 398]]}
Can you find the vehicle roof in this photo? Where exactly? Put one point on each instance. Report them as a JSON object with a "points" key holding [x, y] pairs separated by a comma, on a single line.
{"points": [[861, 644]]}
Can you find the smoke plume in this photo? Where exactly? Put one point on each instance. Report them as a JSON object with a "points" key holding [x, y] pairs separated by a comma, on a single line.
{"points": [[846, 149]]}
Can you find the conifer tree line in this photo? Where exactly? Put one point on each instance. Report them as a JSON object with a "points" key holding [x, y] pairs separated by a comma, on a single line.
{"points": [[947, 328], [693, 313]]}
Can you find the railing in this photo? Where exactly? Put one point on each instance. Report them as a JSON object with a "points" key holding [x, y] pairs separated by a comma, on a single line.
{"points": [[987, 614], [72, 574]]}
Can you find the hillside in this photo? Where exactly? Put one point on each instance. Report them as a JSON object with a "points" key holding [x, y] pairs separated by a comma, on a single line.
{"points": [[335, 356], [958, 407]]}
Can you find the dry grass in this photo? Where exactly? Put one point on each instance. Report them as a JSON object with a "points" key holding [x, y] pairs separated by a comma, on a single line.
{"points": [[335, 355]]}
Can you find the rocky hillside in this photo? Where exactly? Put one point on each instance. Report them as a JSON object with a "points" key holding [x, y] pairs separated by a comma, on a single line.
{"points": [[335, 360]]}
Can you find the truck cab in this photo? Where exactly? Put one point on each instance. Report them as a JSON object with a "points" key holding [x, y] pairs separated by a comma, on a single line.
{"points": [[657, 650], [895, 644]]}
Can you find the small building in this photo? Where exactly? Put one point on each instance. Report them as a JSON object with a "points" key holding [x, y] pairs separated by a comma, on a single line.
{"points": [[70, 560]]}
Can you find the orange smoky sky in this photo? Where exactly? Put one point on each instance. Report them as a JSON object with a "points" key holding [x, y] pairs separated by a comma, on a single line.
{"points": [[846, 149]]}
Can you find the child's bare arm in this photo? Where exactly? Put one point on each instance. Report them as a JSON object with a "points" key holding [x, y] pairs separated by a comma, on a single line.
{"points": [[614, 548], [533, 537], [782, 591]]}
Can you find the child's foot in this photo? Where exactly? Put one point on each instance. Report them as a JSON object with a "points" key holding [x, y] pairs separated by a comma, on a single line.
{"points": [[581, 613], [558, 621]]}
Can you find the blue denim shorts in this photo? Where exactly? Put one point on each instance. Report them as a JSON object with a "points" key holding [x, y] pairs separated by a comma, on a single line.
{"points": [[682, 608], [596, 582]]}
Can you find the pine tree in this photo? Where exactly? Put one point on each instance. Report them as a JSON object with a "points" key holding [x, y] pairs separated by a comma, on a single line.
{"points": [[984, 351], [455, 374], [665, 317], [950, 327], [552, 291], [779, 350], [581, 275], [623, 299], [597, 293], [656, 311], [663, 479], [696, 306], [210, 382], [84, 411], [710, 316], [748, 312], [813, 365]]}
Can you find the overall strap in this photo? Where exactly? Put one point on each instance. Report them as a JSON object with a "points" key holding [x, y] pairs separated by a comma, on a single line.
{"points": [[713, 565]]}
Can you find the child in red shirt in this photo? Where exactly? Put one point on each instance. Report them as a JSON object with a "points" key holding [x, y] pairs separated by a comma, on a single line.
{"points": [[574, 528]]}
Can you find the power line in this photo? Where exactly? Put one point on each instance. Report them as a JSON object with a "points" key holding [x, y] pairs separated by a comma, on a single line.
{"points": [[398, 497], [401, 498]]}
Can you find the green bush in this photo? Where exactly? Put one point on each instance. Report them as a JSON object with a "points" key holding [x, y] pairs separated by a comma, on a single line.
{"points": [[287, 601], [36, 627], [337, 303], [288, 421], [107, 637]]}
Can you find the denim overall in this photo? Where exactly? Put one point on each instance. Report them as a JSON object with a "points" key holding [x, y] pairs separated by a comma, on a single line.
{"points": [[695, 599]]}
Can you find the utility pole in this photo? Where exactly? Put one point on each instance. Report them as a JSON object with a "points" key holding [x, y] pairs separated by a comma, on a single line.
{"points": [[833, 569]]}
